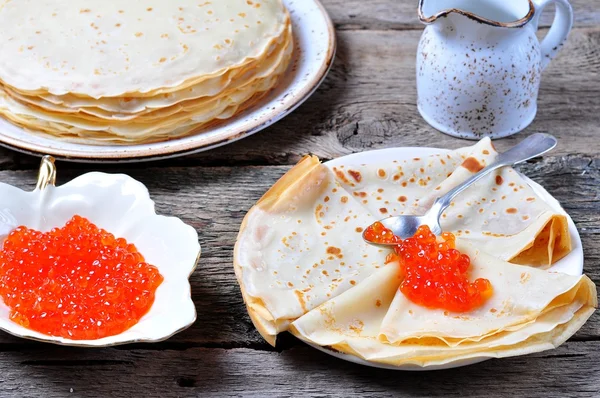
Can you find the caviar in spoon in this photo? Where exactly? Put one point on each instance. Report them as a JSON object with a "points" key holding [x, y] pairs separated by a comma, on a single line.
{"points": [[435, 273], [78, 282]]}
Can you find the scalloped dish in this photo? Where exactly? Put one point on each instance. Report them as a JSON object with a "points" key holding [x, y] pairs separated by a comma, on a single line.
{"points": [[504, 279], [122, 206]]}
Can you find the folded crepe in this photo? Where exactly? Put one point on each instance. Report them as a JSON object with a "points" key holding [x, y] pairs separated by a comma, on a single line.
{"points": [[500, 214], [300, 246], [531, 310], [300, 249]]}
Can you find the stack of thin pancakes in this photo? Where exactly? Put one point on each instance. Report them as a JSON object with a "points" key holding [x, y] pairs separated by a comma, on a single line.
{"points": [[302, 264], [110, 71]]}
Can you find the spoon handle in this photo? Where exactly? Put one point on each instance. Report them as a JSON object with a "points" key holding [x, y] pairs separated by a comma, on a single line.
{"points": [[531, 147]]}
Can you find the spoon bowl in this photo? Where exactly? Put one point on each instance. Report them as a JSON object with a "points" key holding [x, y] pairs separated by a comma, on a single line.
{"points": [[406, 226]]}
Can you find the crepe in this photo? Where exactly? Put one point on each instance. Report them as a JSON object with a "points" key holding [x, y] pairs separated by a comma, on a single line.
{"points": [[159, 123], [500, 214], [112, 48], [531, 310], [273, 63], [139, 71], [300, 246], [302, 265]]}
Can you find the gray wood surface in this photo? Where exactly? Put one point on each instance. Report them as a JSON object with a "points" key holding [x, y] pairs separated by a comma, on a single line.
{"points": [[368, 101]]}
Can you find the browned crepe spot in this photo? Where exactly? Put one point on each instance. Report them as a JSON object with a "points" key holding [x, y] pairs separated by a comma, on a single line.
{"points": [[336, 251], [355, 175], [301, 299], [472, 165], [340, 174]]}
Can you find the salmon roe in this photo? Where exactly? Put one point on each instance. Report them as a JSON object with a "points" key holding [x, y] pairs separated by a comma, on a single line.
{"points": [[77, 282], [378, 233], [434, 271]]}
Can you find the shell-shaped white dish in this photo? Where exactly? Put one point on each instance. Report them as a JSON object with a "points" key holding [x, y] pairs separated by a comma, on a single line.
{"points": [[122, 206]]}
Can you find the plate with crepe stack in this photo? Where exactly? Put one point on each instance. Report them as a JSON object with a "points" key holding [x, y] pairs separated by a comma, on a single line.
{"points": [[122, 81], [303, 266]]}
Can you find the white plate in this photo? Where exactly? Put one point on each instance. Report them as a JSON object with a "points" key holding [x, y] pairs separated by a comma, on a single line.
{"points": [[571, 264], [122, 206], [314, 51]]}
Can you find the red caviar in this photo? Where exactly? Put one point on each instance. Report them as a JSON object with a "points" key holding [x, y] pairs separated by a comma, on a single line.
{"points": [[77, 282], [434, 272], [378, 233]]}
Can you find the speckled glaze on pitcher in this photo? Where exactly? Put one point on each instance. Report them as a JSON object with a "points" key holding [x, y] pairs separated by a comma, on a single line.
{"points": [[479, 63]]}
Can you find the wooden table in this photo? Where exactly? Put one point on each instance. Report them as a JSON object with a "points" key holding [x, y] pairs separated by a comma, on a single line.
{"points": [[368, 101]]}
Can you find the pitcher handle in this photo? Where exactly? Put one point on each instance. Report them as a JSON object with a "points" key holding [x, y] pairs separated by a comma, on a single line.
{"points": [[561, 26]]}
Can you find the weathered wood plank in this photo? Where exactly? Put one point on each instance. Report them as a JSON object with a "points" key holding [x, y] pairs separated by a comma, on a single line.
{"points": [[402, 14], [571, 370], [368, 101], [215, 199]]}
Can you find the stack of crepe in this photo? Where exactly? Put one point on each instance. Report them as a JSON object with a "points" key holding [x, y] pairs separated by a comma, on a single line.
{"points": [[110, 71], [302, 264]]}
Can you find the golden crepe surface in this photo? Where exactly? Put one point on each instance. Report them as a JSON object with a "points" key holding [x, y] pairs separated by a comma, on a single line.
{"points": [[301, 245], [500, 214], [137, 71], [534, 310], [303, 266]]}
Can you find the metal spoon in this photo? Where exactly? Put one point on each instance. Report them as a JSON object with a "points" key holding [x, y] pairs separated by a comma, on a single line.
{"points": [[406, 226]]}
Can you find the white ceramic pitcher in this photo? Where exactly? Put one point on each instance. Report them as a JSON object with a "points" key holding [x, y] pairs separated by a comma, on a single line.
{"points": [[479, 63]]}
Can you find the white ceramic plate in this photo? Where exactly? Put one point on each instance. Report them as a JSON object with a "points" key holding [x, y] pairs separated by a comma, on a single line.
{"points": [[314, 51], [571, 264], [122, 206]]}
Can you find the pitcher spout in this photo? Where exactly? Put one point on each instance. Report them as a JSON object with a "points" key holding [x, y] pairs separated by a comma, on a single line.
{"points": [[499, 13]]}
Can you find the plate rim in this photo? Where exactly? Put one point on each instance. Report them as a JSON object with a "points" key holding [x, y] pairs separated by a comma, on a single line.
{"points": [[247, 129], [410, 151]]}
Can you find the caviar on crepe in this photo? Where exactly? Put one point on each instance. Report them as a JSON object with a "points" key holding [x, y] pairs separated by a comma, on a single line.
{"points": [[77, 282], [434, 272]]}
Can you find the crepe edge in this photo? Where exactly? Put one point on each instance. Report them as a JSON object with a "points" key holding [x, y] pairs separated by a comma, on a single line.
{"points": [[262, 319], [535, 343], [558, 246], [27, 123]]}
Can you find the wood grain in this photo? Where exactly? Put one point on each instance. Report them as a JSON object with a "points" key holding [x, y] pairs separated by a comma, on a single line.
{"points": [[571, 370], [402, 14], [214, 200], [368, 101]]}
